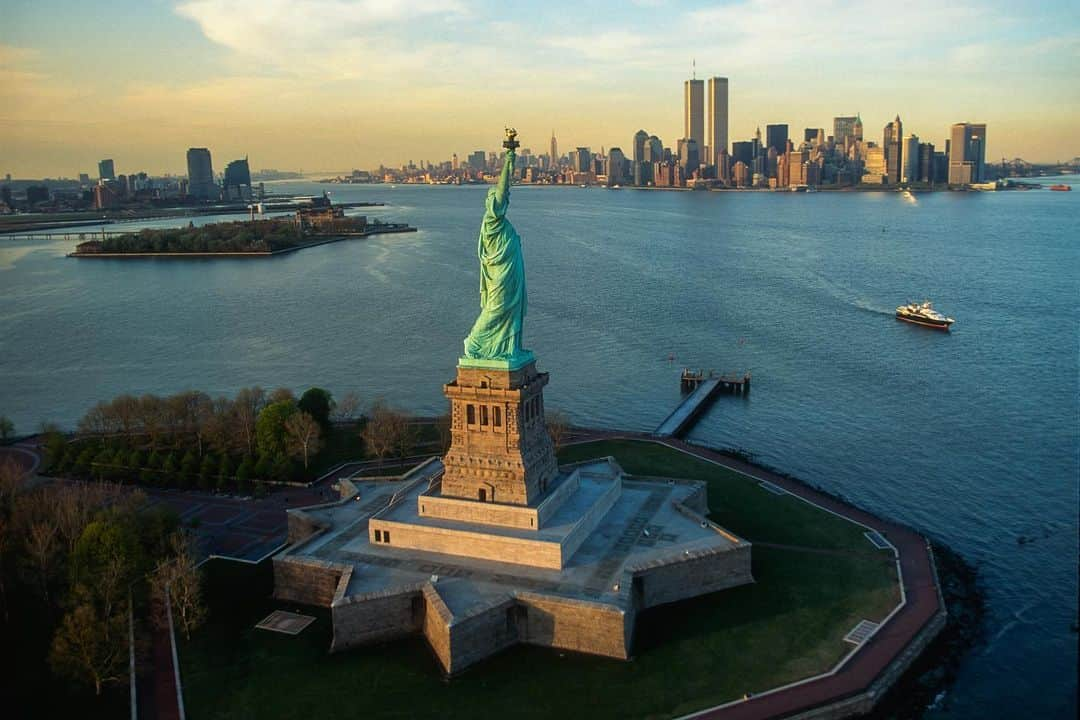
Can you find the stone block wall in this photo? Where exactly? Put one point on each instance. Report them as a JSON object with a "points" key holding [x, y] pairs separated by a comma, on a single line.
{"points": [[436, 626], [374, 617], [474, 511], [470, 544], [577, 625], [307, 580], [483, 634], [301, 526], [683, 577]]}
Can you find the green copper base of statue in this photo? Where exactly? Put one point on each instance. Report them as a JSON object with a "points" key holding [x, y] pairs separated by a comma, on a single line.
{"points": [[496, 334]]}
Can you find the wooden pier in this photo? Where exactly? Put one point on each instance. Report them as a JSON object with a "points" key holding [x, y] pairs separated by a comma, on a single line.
{"points": [[701, 388]]}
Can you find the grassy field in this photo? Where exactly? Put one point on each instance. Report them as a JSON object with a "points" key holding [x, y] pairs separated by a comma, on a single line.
{"points": [[788, 625]]}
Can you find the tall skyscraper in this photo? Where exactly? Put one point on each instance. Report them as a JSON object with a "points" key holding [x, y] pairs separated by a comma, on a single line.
{"points": [[694, 111], [238, 180], [910, 153], [776, 137], [615, 162], [477, 159], [926, 162], [843, 128], [106, 170], [641, 138], [967, 153], [894, 153], [718, 117], [200, 171], [554, 151], [581, 159]]}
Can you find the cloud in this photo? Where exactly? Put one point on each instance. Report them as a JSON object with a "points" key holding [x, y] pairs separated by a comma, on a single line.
{"points": [[272, 29]]}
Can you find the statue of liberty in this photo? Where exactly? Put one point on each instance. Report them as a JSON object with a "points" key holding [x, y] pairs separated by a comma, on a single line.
{"points": [[496, 334]]}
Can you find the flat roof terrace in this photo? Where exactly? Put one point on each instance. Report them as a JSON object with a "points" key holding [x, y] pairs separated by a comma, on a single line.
{"points": [[642, 527]]}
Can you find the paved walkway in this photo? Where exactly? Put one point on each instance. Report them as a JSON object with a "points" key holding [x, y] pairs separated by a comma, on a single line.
{"points": [[874, 656]]}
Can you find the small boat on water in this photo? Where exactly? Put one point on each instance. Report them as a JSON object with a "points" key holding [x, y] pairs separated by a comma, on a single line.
{"points": [[1060, 187], [923, 314]]}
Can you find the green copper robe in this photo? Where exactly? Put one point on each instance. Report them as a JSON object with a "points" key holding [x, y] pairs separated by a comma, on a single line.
{"points": [[496, 334]]}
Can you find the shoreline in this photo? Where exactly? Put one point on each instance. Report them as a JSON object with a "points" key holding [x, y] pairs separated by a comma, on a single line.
{"points": [[918, 676]]}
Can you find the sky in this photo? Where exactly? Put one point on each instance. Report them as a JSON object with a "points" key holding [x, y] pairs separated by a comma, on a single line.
{"points": [[332, 85]]}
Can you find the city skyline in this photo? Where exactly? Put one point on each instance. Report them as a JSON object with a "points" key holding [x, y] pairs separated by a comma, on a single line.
{"points": [[335, 85]]}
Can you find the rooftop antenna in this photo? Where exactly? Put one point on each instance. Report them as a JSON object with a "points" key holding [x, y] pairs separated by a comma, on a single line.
{"points": [[693, 69]]}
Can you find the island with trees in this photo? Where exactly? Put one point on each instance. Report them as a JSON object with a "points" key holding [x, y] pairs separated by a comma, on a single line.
{"points": [[315, 224]]}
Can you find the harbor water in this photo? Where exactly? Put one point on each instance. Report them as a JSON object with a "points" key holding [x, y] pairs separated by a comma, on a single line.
{"points": [[970, 436]]}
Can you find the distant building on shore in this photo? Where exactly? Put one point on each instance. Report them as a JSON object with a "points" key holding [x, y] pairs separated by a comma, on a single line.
{"points": [[694, 111], [201, 175], [106, 170], [717, 139], [237, 183], [967, 153]]}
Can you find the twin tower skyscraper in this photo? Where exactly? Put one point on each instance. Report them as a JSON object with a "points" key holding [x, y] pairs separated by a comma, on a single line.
{"points": [[695, 99]]}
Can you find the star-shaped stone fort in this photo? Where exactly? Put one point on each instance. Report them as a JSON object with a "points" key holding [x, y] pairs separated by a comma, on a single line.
{"points": [[495, 544]]}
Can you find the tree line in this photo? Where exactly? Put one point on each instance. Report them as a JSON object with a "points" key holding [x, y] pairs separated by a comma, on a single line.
{"points": [[243, 236], [191, 440]]}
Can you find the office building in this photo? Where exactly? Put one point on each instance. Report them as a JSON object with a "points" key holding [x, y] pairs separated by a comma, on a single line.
{"points": [[554, 151], [910, 154], [616, 162], [926, 162], [106, 170], [743, 152], [894, 155], [967, 153], [718, 118], [694, 111], [581, 160], [723, 166], [689, 155], [477, 160], [776, 138], [641, 139], [201, 175], [237, 184], [741, 174], [875, 165], [844, 129]]}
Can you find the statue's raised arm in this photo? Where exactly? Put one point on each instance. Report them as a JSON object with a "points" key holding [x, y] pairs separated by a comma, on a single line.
{"points": [[502, 186]]}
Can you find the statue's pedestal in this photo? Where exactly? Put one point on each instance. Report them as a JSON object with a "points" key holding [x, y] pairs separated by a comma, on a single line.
{"points": [[500, 450]]}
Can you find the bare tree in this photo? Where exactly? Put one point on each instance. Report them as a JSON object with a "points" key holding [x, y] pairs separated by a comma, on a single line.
{"points": [[91, 647], [152, 413], [303, 435], [347, 407], [181, 578], [249, 402], [558, 426], [380, 429], [217, 426], [41, 547]]}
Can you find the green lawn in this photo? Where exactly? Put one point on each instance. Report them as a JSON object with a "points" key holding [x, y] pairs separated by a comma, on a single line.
{"points": [[786, 626]]}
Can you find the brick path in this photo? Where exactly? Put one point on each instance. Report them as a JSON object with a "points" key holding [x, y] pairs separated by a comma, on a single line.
{"points": [[874, 656]]}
